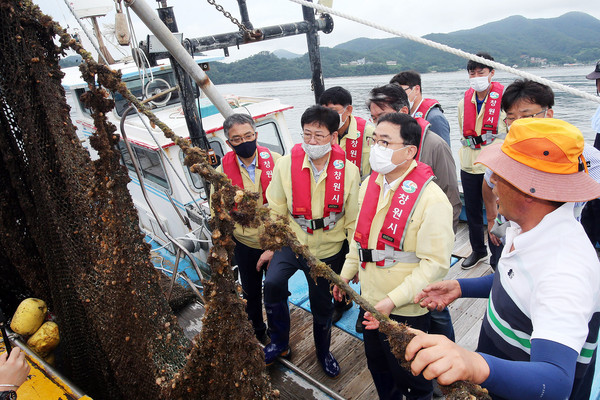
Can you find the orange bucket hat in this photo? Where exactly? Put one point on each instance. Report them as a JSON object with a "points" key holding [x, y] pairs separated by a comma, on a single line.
{"points": [[542, 158]]}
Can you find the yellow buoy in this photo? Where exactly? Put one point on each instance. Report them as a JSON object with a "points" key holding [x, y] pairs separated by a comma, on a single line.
{"points": [[45, 339], [29, 316]]}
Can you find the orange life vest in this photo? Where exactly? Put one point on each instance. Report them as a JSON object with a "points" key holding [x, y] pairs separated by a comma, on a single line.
{"points": [[391, 237], [231, 168], [354, 146], [491, 118], [425, 107], [334, 190]]}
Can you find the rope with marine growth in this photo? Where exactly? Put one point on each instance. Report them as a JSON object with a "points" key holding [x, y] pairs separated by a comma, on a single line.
{"points": [[451, 50]]}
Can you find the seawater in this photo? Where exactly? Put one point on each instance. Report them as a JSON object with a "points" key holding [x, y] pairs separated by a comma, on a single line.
{"points": [[447, 87]]}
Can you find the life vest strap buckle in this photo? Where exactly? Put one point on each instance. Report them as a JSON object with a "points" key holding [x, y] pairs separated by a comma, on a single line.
{"points": [[365, 255], [318, 223]]}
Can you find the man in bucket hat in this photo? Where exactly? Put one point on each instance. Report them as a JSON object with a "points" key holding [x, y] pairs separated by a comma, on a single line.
{"points": [[540, 330]]}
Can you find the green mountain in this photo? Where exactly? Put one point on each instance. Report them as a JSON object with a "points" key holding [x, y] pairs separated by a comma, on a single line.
{"points": [[70, 61], [570, 38], [283, 53]]}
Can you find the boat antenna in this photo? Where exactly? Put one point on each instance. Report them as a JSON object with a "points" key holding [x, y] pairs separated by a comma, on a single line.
{"points": [[451, 50], [87, 33]]}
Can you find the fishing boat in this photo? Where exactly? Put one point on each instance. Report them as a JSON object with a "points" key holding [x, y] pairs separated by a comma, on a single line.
{"points": [[178, 196]]}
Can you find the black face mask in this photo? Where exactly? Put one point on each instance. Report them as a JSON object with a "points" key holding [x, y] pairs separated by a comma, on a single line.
{"points": [[245, 149]]}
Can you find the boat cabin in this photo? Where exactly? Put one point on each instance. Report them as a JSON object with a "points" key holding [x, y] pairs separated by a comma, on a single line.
{"points": [[177, 195]]}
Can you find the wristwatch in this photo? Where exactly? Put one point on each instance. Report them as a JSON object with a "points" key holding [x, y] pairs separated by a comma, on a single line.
{"points": [[8, 395]]}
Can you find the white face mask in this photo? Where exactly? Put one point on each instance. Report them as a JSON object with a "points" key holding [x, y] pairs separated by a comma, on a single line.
{"points": [[381, 159], [316, 151], [342, 121], [479, 84], [410, 103]]}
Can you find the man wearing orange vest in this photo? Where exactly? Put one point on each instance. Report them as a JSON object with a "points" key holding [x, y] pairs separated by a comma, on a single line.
{"points": [[317, 189], [432, 151], [353, 131], [249, 167], [402, 243], [428, 109], [481, 121]]}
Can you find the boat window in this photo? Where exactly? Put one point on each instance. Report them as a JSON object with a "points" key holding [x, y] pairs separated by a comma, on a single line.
{"points": [[143, 89], [150, 164], [195, 178], [78, 93], [217, 147], [268, 136]]}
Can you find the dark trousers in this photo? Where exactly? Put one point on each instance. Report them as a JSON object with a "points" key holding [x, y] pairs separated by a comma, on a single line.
{"points": [[441, 323], [337, 268], [391, 380], [597, 141], [246, 258], [471, 184], [284, 264], [496, 253], [590, 219]]}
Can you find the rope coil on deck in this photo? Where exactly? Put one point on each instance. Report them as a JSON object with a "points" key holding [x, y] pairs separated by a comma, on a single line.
{"points": [[451, 50]]}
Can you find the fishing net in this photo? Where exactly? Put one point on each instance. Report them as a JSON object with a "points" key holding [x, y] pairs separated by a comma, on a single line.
{"points": [[70, 231], [69, 227]]}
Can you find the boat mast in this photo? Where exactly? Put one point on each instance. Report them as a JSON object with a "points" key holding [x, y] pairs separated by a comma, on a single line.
{"points": [[87, 33], [312, 41], [244, 14], [192, 115]]}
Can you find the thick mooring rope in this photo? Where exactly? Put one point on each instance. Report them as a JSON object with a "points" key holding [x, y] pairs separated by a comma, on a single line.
{"points": [[451, 50]]}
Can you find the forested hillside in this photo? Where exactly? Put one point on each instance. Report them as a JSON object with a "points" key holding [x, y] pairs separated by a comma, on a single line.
{"points": [[570, 38]]}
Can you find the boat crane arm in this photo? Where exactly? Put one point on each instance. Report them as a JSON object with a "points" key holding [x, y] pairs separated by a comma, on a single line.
{"points": [[221, 41]]}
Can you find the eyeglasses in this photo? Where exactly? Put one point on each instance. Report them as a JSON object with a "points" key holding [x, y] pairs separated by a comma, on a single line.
{"points": [[510, 120], [248, 137], [309, 136], [383, 143]]}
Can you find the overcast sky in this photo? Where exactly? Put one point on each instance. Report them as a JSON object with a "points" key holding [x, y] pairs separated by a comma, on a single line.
{"points": [[197, 18]]}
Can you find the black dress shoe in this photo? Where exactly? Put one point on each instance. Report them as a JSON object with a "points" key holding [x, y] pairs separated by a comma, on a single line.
{"points": [[338, 312], [473, 259]]}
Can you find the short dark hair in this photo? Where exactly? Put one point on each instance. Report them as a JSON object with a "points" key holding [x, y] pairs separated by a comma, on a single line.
{"points": [[323, 116], [390, 94], [237, 119], [525, 89], [336, 95], [409, 78], [473, 65], [410, 130]]}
